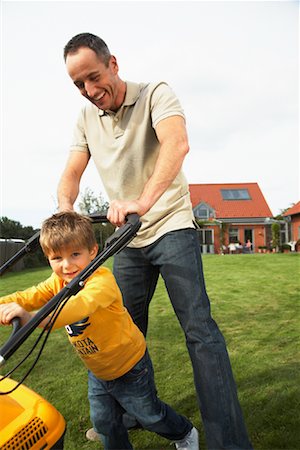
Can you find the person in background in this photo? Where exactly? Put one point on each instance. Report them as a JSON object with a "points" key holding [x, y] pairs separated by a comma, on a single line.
{"points": [[102, 332], [135, 133], [249, 246], [232, 248]]}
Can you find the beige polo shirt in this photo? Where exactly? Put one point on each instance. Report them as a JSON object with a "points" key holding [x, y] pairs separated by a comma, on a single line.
{"points": [[124, 148]]}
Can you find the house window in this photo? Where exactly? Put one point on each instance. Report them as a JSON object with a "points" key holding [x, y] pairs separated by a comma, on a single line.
{"points": [[203, 212], [235, 194], [205, 236], [233, 235]]}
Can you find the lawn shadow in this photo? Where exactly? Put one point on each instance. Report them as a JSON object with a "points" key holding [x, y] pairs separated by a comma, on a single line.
{"points": [[271, 407]]}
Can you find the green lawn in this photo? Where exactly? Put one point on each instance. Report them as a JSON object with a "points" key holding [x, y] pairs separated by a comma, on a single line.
{"points": [[255, 301]]}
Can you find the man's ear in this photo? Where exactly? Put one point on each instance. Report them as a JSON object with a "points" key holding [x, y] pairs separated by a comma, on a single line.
{"points": [[114, 64]]}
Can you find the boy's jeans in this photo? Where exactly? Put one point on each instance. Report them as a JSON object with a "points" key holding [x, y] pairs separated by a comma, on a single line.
{"points": [[177, 257], [134, 392]]}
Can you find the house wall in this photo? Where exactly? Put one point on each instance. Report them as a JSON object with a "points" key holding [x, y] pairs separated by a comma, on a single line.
{"points": [[259, 236], [295, 228]]}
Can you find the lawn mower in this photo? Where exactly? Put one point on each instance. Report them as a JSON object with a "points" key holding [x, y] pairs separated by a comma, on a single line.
{"points": [[27, 421]]}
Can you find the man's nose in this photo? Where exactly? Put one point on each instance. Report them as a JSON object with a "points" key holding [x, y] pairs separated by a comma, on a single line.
{"points": [[90, 89]]}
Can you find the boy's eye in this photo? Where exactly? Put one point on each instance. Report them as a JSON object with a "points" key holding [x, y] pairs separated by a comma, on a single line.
{"points": [[76, 254]]}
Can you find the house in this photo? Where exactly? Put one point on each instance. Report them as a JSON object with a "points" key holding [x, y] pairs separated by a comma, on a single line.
{"points": [[292, 217], [231, 213]]}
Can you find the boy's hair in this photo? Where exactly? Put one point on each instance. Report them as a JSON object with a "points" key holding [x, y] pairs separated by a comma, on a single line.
{"points": [[90, 41], [66, 229]]}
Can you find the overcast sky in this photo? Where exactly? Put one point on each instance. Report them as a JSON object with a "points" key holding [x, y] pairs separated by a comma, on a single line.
{"points": [[233, 65]]}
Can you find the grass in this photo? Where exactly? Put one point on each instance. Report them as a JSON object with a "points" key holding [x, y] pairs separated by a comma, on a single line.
{"points": [[255, 301]]}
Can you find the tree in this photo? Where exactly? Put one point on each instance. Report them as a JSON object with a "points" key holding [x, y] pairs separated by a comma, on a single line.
{"points": [[282, 211], [276, 235], [11, 229], [91, 204], [223, 233]]}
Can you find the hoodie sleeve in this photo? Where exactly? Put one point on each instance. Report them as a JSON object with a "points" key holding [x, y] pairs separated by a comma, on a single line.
{"points": [[36, 296]]}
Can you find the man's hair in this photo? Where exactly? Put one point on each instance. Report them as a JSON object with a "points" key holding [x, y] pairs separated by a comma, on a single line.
{"points": [[91, 41], [66, 229]]}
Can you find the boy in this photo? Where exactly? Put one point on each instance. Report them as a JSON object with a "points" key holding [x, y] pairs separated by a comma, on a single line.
{"points": [[120, 373]]}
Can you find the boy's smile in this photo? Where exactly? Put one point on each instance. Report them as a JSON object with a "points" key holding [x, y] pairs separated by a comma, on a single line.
{"points": [[69, 262]]}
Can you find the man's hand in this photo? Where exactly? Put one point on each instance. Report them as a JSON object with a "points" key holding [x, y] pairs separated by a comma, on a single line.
{"points": [[119, 209], [65, 207], [9, 311]]}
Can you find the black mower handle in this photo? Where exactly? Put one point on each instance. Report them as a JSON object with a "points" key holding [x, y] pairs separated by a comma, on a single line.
{"points": [[114, 244], [29, 246], [16, 325], [33, 243]]}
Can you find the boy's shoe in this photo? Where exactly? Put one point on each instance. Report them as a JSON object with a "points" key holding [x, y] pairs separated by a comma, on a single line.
{"points": [[91, 435], [189, 442]]}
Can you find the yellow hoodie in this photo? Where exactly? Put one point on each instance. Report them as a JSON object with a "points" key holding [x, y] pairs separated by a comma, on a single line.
{"points": [[98, 325]]}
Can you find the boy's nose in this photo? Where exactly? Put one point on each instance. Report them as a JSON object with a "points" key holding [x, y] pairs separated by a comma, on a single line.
{"points": [[66, 263]]}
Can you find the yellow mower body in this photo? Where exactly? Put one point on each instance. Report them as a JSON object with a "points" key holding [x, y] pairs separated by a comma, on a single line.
{"points": [[27, 421]]}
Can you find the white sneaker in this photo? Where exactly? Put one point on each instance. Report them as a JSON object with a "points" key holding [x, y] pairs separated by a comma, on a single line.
{"points": [[91, 435], [189, 442]]}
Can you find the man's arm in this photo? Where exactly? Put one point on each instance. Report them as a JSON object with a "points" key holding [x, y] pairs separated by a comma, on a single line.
{"points": [[172, 136], [68, 187]]}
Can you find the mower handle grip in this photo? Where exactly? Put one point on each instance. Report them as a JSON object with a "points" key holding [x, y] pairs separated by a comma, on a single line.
{"points": [[16, 325]]}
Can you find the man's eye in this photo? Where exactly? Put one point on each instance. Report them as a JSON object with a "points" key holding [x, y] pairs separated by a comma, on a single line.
{"points": [[95, 78], [79, 85]]}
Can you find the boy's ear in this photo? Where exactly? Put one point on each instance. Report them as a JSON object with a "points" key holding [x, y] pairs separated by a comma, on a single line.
{"points": [[94, 251]]}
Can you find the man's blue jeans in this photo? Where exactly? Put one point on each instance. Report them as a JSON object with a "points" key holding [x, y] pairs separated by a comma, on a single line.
{"points": [[176, 256], [134, 392]]}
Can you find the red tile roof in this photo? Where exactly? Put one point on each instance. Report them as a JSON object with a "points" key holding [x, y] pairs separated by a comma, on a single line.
{"points": [[293, 210], [211, 194]]}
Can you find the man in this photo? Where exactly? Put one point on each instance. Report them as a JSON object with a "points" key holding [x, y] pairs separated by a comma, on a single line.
{"points": [[136, 136]]}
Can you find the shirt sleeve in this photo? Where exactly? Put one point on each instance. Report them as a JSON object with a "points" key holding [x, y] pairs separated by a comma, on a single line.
{"points": [[34, 297], [79, 141], [164, 103]]}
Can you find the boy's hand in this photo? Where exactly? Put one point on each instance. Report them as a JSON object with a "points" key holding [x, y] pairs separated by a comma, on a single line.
{"points": [[10, 310]]}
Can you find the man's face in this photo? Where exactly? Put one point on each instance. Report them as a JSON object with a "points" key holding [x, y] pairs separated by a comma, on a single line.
{"points": [[97, 82]]}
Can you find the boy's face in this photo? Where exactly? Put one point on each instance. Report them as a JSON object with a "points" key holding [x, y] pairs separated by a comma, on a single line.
{"points": [[67, 263]]}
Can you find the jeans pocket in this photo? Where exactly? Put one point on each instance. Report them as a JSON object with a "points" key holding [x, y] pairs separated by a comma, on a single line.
{"points": [[136, 373]]}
